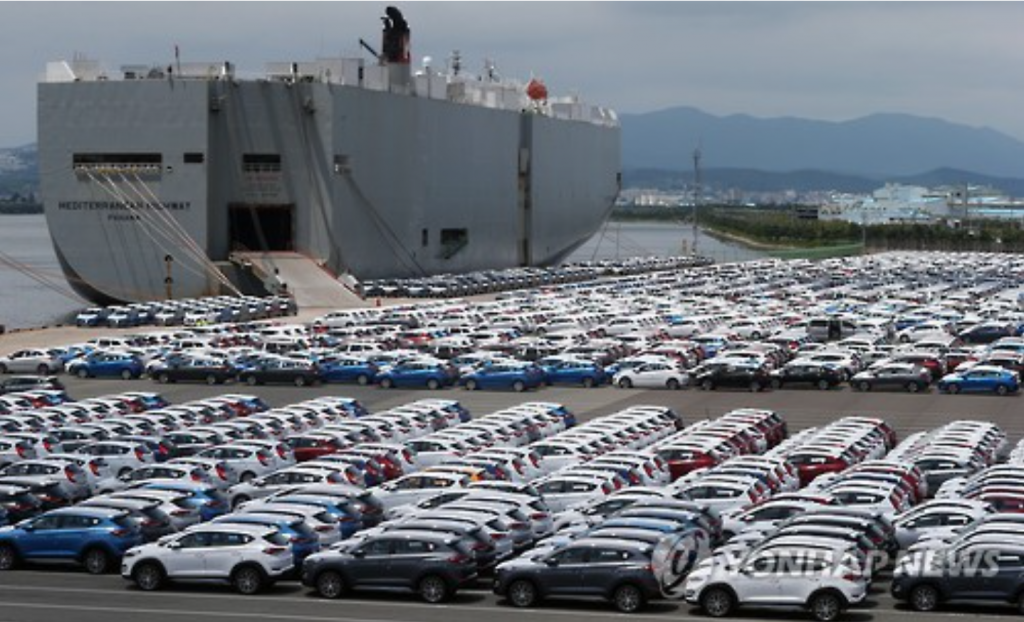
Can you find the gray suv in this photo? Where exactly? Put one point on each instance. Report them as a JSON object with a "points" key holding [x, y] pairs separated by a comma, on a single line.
{"points": [[618, 571], [432, 564]]}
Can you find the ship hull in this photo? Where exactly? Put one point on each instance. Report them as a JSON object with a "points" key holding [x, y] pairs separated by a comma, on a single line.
{"points": [[147, 184]]}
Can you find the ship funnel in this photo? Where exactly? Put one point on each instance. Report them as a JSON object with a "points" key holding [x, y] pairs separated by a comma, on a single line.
{"points": [[396, 38]]}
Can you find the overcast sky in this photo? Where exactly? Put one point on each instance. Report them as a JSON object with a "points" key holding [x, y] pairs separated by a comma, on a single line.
{"points": [[960, 61]]}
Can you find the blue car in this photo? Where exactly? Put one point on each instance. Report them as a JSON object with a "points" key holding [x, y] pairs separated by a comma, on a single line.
{"points": [[349, 517], [97, 538], [107, 365], [348, 370], [210, 502], [515, 376], [417, 374], [981, 379], [582, 373], [304, 540]]}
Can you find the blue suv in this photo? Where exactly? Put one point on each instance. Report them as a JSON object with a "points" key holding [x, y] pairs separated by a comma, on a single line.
{"points": [[93, 537], [107, 364]]}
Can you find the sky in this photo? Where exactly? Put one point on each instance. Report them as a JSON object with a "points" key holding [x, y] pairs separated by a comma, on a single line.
{"points": [[959, 61]]}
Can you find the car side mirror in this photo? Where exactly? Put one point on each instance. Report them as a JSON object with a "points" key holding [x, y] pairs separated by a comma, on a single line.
{"points": [[359, 553], [174, 546], [552, 562], [26, 526]]}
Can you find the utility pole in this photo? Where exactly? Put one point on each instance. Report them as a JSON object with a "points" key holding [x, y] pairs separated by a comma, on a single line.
{"points": [[698, 192]]}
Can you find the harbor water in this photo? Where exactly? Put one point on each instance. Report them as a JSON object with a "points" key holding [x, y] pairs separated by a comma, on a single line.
{"points": [[28, 262]]}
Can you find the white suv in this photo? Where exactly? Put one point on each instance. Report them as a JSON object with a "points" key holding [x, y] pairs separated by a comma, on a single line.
{"points": [[248, 557], [824, 580]]}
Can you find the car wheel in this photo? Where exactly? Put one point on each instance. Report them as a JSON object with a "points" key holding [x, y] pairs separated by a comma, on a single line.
{"points": [[96, 561], [707, 385], [625, 383], [1002, 390], [211, 379], [913, 387], [825, 607], [329, 584], [864, 386], [247, 580], [471, 385], [717, 602], [82, 372], [300, 381], [362, 380], [386, 383], [518, 386], [776, 384], [126, 374], [433, 589], [3, 368], [755, 386], [823, 385], [522, 593], [149, 576], [124, 472], [673, 384], [43, 370], [953, 389], [924, 598], [163, 378], [238, 501], [8, 557], [588, 382], [247, 477], [251, 381], [628, 599], [433, 384]]}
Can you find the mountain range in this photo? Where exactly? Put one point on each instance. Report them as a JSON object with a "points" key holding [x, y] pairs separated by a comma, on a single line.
{"points": [[767, 154], [881, 145]]}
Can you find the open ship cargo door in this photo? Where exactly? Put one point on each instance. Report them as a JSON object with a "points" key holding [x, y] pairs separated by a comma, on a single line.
{"points": [[261, 227]]}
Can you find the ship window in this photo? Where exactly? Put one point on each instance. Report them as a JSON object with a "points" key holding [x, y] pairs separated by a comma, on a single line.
{"points": [[425, 238], [194, 158], [261, 163], [144, 163]]}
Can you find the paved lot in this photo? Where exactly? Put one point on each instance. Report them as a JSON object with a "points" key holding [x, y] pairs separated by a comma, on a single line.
{"points": [[51, 595], [62, 595], [802, 408]]}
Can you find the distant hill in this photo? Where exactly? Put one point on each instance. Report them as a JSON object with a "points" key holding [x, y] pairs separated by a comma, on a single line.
{"points": [[19, 171], [877, 146]]}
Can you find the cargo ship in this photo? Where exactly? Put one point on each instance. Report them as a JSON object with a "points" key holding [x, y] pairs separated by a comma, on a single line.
{"points": [[164, 181]]}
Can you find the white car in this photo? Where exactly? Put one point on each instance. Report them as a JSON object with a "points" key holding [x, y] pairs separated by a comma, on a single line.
{"points": [[652, 376], [943, 518], [820, 579], [31, 361], [250, 558]]}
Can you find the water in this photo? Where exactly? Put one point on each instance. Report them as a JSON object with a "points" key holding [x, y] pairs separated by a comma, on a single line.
{"points": [[25, 303]]}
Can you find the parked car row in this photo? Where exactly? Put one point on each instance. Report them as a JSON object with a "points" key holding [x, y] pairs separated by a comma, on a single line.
{"points": [[187, 312]]}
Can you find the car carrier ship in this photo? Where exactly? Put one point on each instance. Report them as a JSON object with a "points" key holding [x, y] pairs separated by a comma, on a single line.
{"points": [[166, 181]]}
